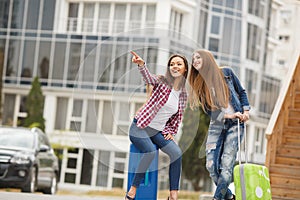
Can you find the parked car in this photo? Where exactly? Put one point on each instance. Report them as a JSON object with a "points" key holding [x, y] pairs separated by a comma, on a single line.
{"points": [[27, 160]]}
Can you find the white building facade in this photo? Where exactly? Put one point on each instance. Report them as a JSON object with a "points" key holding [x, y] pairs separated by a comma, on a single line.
{"points": [[80, 51]]}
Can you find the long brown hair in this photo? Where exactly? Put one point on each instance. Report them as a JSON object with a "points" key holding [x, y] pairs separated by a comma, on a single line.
{"points": [[169, 79], [208, 87]]}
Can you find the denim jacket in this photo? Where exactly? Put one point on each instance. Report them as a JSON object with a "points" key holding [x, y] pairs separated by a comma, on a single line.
{"points": [[238, 96]]}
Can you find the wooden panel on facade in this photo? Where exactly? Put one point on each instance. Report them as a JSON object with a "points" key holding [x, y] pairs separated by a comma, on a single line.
{"points": [[283, 150]]}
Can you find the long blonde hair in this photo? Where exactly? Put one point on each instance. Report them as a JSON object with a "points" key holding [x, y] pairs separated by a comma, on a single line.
{"points": [[208, 87]]}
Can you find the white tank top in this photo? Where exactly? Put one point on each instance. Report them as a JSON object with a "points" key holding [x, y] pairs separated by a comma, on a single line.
{"points": [[166, 111]]}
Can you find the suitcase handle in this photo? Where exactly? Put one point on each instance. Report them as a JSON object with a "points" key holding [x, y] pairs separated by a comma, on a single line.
{"points": [[239, 143]]}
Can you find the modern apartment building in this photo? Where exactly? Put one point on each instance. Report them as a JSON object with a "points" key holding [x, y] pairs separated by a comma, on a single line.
{"points": [[80, 51], [284, 39]]}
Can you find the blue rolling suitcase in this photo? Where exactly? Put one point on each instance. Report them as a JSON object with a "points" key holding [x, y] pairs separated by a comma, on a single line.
{"points": [[148, 187]]}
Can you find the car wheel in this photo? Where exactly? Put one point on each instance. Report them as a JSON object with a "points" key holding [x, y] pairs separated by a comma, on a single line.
{"points": [[53, 187], [31, 183]]}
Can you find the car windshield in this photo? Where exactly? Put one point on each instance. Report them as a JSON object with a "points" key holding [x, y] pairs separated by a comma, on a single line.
{"points": [[16, 138]]}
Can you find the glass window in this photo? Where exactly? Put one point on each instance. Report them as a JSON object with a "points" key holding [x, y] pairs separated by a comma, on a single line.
{"points": [[88, 17], [33, 14], [74, 61], [59, 60], [124, 111], [230, 3], [138, 106], [43, 60], [227, 36], [9, 109], [22, 107], [150, 13], [202, 26], [28, 58], [2, 52], [4, 8], [123, 119], [251, 80], [76, 119], [256, 7], [237, 38], [259, 140], [176, 19], [136, 16], [152, 54], [87, 167], [213, 44], [103, 167], [104, 12], [215, 25], [48, 14], [92, 116], [117, 182], [119, 168], [22, 111], [105, 62], [88, 71], [120, 11], [13, 56], [17, 14], [268, 95], [88, 10], [61, 113], [218, 2], [239, 5], [120, 64], [119, 18], [73, 10], [108, 117], [72, 163], [253, 42], [75, 126], [136, 12], [122, 130], [70, 178], [77, 108], [72, 16], [285, 16]]}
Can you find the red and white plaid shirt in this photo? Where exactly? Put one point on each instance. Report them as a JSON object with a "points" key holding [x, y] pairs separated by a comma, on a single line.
{"points": [[158, 98]]}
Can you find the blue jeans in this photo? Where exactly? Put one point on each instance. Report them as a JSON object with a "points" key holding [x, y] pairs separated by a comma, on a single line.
{"points": [[221, 150], [143, 139]]}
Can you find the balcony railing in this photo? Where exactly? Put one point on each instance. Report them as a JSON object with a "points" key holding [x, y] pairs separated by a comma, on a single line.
{"points": [[111, 27]]}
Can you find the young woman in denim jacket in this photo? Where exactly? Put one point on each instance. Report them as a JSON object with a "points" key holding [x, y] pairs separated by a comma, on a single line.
{"points": [[221, 95], [158, 120]]}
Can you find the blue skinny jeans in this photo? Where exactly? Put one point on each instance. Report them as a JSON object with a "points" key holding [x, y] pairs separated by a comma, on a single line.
{"points": [[143, 139], [221, 150]]}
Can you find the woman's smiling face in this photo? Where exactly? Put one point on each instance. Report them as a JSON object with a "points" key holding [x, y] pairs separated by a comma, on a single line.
{"points": [[197, 61], [177, 67]]}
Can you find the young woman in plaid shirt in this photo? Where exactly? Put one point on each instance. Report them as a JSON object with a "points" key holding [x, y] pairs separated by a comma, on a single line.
{"points": [[158, 120]]}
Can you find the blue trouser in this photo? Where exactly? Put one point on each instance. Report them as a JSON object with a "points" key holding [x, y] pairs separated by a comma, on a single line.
{"points": [[221, 150], [143, 139]]}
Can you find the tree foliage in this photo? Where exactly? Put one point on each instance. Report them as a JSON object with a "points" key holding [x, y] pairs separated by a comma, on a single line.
{"points": [[35, 106], [192, 142]]}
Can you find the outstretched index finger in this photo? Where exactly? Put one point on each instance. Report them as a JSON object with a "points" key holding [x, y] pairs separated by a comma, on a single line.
{"points": [[134, 54]]}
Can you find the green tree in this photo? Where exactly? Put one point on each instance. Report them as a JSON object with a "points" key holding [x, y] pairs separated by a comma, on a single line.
{"points": [[35, 106], [192, 142]]}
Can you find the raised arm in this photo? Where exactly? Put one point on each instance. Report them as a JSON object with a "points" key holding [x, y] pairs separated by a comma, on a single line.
{"points": [[137, 59], [148, 77]]}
